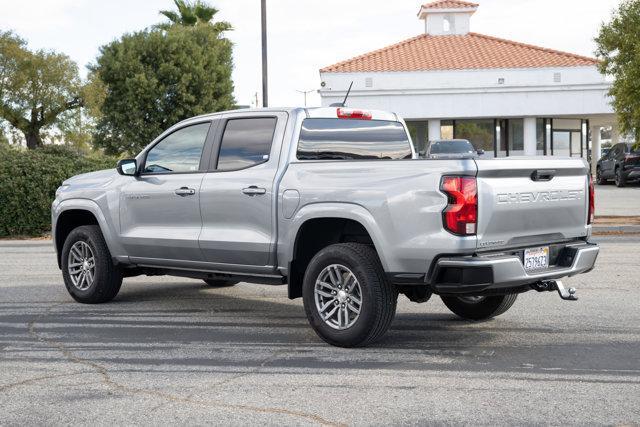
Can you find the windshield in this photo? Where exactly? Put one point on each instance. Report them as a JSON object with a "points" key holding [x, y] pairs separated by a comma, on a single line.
{"points": [[453, 146]]}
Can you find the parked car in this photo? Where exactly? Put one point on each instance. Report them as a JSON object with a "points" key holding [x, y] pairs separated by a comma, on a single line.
{"points": [[334, 204], [451, 148], [621, 163]]}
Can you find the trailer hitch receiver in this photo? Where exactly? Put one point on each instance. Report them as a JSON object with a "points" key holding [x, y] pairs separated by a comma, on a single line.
{"points": [[556, 285]]}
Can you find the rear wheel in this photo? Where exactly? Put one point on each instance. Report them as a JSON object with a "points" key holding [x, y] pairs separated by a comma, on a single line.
{"points": [[347, 298], [620, 179], [220, 283], [479, 307], [87, 268]]}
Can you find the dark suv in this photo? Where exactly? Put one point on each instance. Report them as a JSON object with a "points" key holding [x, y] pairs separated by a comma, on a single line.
{"points": [[621, 163]]}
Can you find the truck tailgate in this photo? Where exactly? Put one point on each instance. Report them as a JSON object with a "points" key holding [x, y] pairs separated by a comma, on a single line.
{"points": [[526, 201]]}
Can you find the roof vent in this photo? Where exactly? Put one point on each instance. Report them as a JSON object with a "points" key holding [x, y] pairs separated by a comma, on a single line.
{"points": [[368, 82], [557, 77]]}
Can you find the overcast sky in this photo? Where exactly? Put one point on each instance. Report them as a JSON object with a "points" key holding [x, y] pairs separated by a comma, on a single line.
{"points": [[304, 35]]}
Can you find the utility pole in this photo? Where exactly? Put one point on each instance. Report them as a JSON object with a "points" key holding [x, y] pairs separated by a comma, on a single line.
{"points": [[265, 89], [305, 92]]}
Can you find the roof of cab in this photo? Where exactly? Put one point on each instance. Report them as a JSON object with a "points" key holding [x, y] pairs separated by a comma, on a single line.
{"points": [[311, 112]]}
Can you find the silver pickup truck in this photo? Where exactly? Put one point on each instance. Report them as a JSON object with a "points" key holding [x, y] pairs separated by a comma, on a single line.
{"points": [[335, 204]]}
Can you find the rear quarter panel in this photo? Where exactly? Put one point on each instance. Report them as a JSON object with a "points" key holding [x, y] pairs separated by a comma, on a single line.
{"points": [[397, 201]]}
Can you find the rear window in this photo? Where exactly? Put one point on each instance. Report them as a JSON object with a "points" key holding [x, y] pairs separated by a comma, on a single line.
{"points": [[449, 147], [340, 139]]}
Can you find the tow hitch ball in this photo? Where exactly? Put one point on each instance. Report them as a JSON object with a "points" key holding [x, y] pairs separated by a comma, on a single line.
{"points": [[556, 285]]}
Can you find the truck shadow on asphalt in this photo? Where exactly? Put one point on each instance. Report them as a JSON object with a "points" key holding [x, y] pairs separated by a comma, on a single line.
{"points": [[175, 326]]}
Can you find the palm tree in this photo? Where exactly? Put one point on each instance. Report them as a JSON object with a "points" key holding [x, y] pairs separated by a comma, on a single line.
{"points": [[191, 14]]}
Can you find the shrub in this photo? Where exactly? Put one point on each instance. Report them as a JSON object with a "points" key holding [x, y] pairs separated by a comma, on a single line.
{"points": [[28, 182]]}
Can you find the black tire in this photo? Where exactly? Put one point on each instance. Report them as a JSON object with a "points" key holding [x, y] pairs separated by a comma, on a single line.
{"points": [[621, 181], [482, 309], [600, 180], [378, 296], [107, 278], [220, 283]]}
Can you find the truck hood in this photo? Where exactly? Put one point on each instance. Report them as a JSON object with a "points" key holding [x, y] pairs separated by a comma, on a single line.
{"points": [[92, 179]]}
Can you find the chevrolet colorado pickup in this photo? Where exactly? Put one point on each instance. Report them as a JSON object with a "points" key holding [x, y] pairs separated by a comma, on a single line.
{"points": [[334, 204]]}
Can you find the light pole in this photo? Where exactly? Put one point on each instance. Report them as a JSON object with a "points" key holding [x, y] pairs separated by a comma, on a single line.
{"points": [[305, 92], [265, 90]]}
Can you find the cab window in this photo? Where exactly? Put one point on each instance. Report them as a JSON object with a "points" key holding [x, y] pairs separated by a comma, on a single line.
{"points": [[178, 152], [246, 142]]}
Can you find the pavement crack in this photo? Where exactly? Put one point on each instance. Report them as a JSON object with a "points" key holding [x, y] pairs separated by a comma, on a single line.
{"points": [[110, 382], [29, 381]]}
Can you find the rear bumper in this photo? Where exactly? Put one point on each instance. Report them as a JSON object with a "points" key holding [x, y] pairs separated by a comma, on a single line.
{"points": [[474, 274]]}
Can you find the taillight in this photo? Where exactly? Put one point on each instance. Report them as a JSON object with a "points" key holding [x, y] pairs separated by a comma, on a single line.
{"points": [[461, 214], [592, 201], [349, 113]]}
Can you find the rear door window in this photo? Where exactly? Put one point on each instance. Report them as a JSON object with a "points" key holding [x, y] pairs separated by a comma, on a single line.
{"points": [[246, 142], [340, 139]]}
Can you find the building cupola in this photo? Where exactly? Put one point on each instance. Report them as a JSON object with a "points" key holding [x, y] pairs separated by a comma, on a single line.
{"points": [[447, 17]]}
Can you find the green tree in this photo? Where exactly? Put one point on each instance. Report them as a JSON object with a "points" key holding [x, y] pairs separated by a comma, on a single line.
{"points": [[35, 87], [3, 138], [155, 78], [617, 48], [190, 14]]}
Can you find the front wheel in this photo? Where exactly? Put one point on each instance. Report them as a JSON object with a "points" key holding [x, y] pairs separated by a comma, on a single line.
{"points": [[479, 307], [599, 178], [87, 268], [347, 298]]}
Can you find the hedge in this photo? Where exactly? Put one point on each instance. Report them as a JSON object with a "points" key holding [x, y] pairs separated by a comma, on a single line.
{"points": [[28, 183]]}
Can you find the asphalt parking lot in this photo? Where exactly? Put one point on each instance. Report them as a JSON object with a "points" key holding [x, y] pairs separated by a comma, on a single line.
{"points": [[614, 201], [172, 350]]}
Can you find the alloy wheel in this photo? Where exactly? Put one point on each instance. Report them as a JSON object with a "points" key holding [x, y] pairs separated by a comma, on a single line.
{"points": [[81, 265], [338, 296]]}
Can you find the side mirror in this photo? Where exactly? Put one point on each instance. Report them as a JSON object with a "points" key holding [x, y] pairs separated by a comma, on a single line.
{"points": [[480, 152], [127, 167]]}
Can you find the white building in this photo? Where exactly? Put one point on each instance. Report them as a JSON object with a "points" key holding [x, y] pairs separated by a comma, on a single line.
{"points": [[507, 97]]}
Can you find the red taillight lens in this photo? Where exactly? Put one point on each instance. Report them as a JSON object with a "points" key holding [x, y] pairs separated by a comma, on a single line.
{"points": [[461, 214], [592, 201], [348, 113]]}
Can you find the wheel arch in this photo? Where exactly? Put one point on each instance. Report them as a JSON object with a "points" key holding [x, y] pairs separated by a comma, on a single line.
{"points": [[73, 213], [336, 223]]}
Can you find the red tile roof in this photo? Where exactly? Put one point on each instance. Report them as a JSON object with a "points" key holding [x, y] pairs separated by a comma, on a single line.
{"points": [[457, 52], [449, 4]]}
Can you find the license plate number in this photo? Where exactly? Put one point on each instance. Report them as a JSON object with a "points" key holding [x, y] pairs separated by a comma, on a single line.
{"points": [[536, 258]]}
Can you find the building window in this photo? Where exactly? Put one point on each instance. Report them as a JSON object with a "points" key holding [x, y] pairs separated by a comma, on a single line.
{"points": [[446, 129], [446, 24], [541, 130], [516, 137], [479, 132], [419, 131]]}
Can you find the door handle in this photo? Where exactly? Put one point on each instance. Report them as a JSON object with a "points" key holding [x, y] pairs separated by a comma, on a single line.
{"points": [[254, 190], [185, 191]]}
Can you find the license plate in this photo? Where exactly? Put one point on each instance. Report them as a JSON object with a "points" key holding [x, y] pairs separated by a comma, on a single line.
{"points": [[536, 258]]}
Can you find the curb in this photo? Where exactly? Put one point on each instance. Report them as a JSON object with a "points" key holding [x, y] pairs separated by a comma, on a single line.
{"points": [[616, 229]]}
